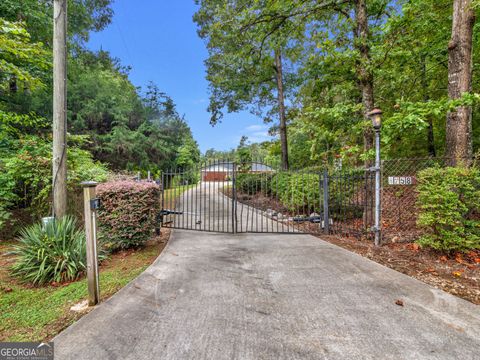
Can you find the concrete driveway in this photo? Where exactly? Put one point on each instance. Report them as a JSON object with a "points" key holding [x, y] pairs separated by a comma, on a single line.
{"points": [[269, 296], [251, 296]]}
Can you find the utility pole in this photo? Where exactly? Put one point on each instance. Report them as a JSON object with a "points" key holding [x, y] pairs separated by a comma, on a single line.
{"points": [[59, 108]]}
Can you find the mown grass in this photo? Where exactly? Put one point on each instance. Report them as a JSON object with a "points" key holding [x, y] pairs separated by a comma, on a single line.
{"points": [[39, 313], [174, 193]]}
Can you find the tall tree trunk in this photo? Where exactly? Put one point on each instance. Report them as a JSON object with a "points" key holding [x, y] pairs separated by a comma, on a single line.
{"points": [[281, 109], [426, 97], [365, 76], [459, 122], [365, 81]]}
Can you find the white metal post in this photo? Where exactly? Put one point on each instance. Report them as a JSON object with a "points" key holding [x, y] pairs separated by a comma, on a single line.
{"points": [[326, 216]]}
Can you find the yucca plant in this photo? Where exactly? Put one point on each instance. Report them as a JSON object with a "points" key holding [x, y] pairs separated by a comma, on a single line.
{"points": [[55, 252]]}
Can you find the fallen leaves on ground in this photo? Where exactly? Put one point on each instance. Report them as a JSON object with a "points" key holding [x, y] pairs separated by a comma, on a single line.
{"points": [[414, 246]]}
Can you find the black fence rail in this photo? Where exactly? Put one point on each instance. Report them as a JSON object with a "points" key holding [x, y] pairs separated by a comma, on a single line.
{"points": [[226, 196], [254, 196], [352, 203], [193, 199]]}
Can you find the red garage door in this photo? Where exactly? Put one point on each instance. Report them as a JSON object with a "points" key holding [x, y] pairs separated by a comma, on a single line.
{"points": [[214, 176]]}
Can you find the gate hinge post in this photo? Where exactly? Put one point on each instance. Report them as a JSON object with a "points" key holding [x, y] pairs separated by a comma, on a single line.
{"points": [[378, 189], [326, 220], [234, 199]]}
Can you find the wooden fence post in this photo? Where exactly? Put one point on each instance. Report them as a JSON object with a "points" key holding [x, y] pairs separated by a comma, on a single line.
{"points": [[91, 204]]}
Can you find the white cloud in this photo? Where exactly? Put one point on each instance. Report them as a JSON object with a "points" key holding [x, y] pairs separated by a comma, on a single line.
{"points": [[255, 128], [199, 101], [255, 134]]}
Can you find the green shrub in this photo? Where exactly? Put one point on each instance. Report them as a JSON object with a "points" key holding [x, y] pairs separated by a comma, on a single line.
{"points": [[26, 173], [302, 191], [54, 252], [187, 177], [297, 190], [251, 184], [128, 213], [449, 202]]}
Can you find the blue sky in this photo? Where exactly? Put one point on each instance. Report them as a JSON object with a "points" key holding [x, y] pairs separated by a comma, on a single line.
{"points": [[158, 39]]}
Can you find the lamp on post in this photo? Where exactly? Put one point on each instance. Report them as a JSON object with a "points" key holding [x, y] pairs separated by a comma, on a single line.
{"points": [[376, 116]]}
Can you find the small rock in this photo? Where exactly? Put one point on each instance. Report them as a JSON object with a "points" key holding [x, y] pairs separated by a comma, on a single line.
{"points": [[80, 307], [399, 302]]}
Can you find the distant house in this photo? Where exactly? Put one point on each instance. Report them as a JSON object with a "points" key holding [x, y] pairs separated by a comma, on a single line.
{"points": [[217, 171], [223, 170]]}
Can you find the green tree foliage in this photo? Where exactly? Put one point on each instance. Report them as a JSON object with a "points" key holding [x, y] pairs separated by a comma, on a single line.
{"points": [[252, 49], [20, 57], [85, 16], [188, 154], [243, 156], [240, 70], [26, 176], [128, 131], [111, 123], [408, 46], [25, 145], [213, 154]]}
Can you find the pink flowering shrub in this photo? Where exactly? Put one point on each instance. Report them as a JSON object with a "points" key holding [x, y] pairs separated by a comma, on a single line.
{"points": [[127, 213]]}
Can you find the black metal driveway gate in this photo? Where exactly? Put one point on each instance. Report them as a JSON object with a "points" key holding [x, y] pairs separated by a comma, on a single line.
{"points": [[230, 197]]}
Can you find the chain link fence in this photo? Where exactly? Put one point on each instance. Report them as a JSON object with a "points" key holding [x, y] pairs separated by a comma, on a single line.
{"points": [[400, 207]]}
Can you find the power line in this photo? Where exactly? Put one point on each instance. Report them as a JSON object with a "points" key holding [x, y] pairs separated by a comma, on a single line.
{"points": [[123, 41]]}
